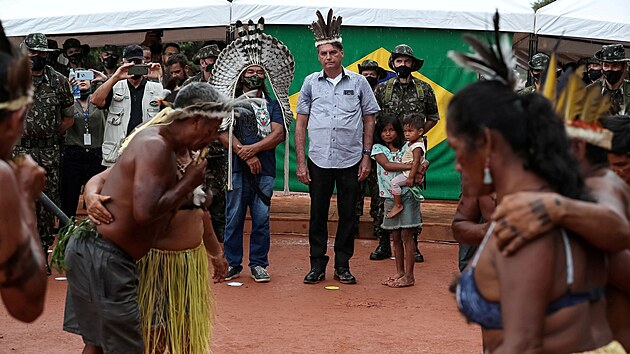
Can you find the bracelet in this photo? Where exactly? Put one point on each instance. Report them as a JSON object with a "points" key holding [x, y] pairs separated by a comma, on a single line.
{"points": [[367, 152]]}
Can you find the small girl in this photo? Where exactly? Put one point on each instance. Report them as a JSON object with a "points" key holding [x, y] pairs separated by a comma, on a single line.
{"points": [[386, 151], [414, 155]]}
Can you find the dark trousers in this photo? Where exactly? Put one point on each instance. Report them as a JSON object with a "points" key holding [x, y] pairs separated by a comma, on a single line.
{"points": [[323, 181], [77, 167]]}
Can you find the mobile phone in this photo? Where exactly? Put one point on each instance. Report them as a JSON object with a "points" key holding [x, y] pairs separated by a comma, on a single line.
{"points": [[139, 69], [83, 75]]}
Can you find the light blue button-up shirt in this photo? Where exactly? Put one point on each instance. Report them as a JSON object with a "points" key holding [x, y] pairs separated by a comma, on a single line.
{"points": [[335, 123]]}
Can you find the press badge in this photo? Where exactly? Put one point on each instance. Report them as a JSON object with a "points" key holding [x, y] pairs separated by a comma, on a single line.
{"points": [[348, 92], [87, 139]]}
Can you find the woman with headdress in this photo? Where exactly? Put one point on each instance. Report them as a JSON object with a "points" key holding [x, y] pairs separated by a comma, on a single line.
{"points": [[22, 274], [549, 297]]}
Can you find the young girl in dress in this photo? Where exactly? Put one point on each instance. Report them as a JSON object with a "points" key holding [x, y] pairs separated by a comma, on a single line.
{"points": [[388, 140]]}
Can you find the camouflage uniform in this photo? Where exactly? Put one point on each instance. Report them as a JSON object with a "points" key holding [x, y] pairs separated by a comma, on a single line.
{"points": [[405, 101], [539, 62], [619, 98], [53, 101], [216, 170]]}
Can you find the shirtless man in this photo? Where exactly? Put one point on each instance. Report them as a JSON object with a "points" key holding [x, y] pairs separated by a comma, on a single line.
{"points": [[22, 274], [102, 301], [605, 225]]}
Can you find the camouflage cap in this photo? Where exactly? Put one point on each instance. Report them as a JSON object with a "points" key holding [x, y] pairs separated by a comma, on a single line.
{"points": [[539, 61], [37, 42], [211, 50], [612, 53], [403, 49], [369, 64], [75, 43]]}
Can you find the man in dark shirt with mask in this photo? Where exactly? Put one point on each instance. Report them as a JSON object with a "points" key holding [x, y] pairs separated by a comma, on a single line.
{"points": [[403, 96], [614, 83], [76, 53], [537, 65]]}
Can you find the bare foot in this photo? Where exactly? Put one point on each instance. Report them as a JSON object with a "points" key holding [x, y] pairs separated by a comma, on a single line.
{"points": [[396, 209], [402, 282], [391, 279]]}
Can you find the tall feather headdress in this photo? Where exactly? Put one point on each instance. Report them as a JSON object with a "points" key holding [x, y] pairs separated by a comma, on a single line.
{"points": [[15, 76], [579, 106], [492, 61], [253, 47], [326, 32]]}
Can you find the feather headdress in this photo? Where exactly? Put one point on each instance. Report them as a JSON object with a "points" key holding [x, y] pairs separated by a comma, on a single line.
{"points": [[253, 47], [16, 89], [579, 106], [326, 32], [492, 61]]}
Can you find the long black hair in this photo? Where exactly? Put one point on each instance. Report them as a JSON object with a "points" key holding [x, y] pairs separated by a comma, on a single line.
{"points": [[381, 122], [529, 125]]}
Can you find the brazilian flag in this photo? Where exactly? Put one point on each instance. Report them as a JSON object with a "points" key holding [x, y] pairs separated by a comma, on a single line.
{"points": [[361, 43]]}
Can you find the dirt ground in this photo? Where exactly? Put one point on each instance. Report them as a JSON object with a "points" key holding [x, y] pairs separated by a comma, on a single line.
{"points": [[287, 316]]}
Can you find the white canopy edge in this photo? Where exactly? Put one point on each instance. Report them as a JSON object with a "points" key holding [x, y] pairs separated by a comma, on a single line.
{"points": [[607, 21]]}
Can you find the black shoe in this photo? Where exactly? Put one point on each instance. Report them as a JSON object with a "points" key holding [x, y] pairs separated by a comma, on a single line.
{"points": [[314, 276], [344, 276], [382, 251], [233, 272], [418, 257], [48, 272]]}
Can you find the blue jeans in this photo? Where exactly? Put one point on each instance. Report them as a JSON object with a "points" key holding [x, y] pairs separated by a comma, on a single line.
{"points": [[238, 200]]}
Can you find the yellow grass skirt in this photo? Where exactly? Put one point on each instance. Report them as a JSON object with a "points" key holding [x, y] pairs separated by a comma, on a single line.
{"points": [[176, 304], [613, 347]]}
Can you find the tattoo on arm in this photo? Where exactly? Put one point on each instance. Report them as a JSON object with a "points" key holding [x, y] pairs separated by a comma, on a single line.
{"points": [[19, 267]]}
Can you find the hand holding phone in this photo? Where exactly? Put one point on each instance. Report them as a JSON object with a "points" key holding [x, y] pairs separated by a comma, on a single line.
{"points": [[138, 69], [83, 75]]}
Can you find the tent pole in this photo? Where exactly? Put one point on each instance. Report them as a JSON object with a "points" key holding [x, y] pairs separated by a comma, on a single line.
{"points": [[533, 49], [229, 30]]}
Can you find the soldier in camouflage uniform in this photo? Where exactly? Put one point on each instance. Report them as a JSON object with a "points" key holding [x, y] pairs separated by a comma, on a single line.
{"points": [[614, 82], [216, 170], [536, 67], [403, 96], [373, 73], [50, 116]]}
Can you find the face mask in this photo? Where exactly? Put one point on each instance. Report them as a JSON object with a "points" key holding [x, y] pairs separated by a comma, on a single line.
{"points": [[536, 77], [209, 68], [372, 81], [110, 62], [84, 93], [38, 63], [253, 82], [403, 71], [594, 75], [75, 58], [613, 76]]}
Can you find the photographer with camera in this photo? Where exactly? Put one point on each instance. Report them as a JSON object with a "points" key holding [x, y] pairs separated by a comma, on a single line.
{"points": [[130, 99]]}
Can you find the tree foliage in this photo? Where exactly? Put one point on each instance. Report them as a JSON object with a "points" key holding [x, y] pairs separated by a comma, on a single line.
{"points": [[540, 3]]}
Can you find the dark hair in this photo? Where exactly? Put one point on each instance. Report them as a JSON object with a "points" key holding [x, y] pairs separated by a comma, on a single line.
{"points": [[195, 93], [238, 90], [527, 123], [596, 155], [381, 122], [620, 126], [337, 45], [414, 120], [174, 45], [177, 59]]}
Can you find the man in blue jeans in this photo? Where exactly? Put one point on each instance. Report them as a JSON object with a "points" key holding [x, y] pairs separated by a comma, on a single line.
{"points": [[255, 138]]}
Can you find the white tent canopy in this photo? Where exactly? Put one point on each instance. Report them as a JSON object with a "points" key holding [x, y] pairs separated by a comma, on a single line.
{"points": [[607, 21], [516, 15]]}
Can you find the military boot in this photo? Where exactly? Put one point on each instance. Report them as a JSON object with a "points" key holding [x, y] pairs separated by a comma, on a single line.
{"points": [[417, 257], [383, 250]]}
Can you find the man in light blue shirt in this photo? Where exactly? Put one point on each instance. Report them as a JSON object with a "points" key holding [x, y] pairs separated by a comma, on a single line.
{"points": [[337, 107]]}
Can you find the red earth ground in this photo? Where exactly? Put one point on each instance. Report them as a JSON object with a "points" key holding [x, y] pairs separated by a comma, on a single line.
{"points": [[287, 316]]}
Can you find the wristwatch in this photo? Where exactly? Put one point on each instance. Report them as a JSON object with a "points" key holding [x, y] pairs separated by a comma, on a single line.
{"points": [[367, 152]]}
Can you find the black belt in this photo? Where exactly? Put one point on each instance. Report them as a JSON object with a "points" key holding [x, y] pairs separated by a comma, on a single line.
{"points": [[41, 143], [96, 150]]}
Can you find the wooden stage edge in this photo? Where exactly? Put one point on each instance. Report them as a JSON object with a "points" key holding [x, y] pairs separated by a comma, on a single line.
{"points": [[290, 216]]}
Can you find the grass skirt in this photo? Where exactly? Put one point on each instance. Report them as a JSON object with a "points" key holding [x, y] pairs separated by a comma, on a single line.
{"points": [[176, 304]]}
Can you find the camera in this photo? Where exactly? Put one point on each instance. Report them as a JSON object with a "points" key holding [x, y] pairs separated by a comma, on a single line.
{"points": [[139, 69]]}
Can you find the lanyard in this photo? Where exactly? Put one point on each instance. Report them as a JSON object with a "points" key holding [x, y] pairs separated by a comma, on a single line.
{"points": [[86, 114]]}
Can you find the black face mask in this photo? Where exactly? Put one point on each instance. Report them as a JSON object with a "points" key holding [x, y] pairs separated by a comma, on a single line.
{"points": [[253, 82], [84, 93], [372, 81], [110, 62], [209, 68], [75, 58], [403, 71], [37, 63], [594, 75], [613, 76], [536, 77]]}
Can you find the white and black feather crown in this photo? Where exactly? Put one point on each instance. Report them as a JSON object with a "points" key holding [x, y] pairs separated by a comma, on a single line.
{"points": [[326, 32]]}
